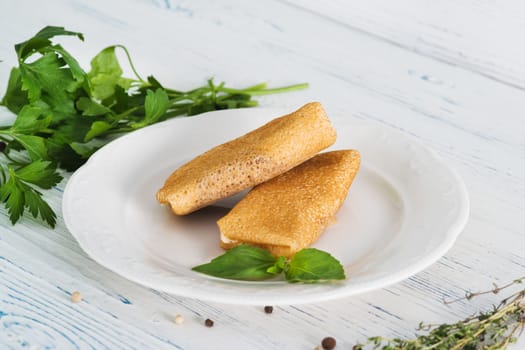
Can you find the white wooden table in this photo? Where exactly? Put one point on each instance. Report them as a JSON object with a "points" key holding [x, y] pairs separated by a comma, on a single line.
{"points": [[450, 74]]}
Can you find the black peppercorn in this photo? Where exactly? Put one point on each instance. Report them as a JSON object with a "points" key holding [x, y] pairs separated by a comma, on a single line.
{"points": [[268, 309], [328, 343], [208, 323]]}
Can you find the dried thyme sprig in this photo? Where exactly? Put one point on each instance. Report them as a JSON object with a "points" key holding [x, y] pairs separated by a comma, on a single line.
{"points": [[492, 330]]}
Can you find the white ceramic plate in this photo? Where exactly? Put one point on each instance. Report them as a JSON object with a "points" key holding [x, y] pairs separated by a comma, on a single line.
{"points": [[403, 212]]}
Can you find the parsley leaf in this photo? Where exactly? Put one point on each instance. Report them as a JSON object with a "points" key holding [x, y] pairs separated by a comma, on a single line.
{"points": [[11, 193], [97, 128], [41, 173], [34, 145], [41, 40], [18, 195], [60, 148], [45, 80], [156, 105], [91, 108], [76, 71], [15, 98], [37, 206], [106, 74], [30, 120]]}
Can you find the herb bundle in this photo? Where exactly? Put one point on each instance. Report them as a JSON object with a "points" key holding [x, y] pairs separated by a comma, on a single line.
{"points": [[492, 330], [64, 114]]}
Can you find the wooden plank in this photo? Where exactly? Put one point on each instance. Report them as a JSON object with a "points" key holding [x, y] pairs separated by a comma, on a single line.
{"points": [[474, 35], [473, 121]]}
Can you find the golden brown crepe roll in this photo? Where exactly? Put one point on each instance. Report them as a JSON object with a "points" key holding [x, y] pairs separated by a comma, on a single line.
{"points": [[289, 212], [258, 156]]}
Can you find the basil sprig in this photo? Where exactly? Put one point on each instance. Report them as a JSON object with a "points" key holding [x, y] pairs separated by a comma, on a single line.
{"points": [[249, 263]]}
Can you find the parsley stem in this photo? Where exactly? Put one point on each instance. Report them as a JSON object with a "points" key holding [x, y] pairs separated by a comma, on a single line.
{"points": [[184, 94], [259, 86], [119, 131], [128, 112], [131, 63], [176, 112], [174, 92], [260, 92]]}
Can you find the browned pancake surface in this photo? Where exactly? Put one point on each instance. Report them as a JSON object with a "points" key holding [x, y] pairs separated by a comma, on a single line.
{"points": [[248, 160], [289, 212]]}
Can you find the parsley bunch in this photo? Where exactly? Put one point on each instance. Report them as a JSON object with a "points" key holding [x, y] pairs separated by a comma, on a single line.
{"points": [[65, 114]]}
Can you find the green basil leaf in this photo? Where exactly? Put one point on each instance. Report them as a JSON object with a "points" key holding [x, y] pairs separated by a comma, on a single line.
{"points": [[279, 266], [311, 265], [243, 262]]}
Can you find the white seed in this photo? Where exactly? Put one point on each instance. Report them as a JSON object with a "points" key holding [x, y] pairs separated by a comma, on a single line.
{"points": [[76, 297], [178, 319]]}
